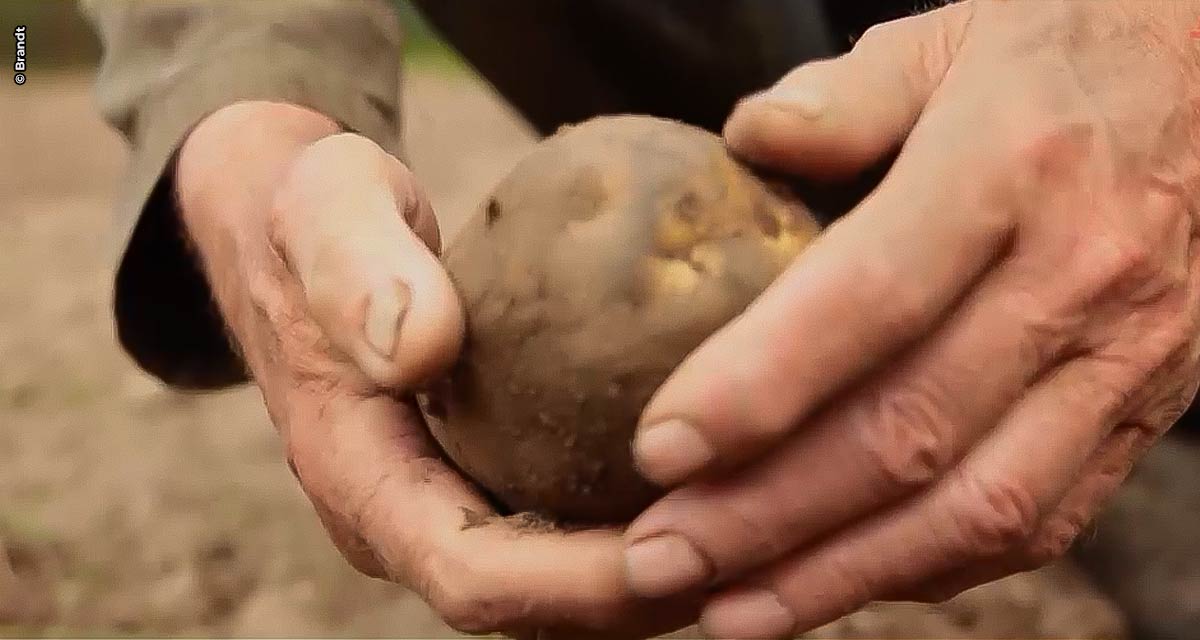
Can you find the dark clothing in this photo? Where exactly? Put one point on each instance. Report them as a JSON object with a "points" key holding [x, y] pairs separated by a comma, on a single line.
{"points": [[690, 60], [167, 65]]}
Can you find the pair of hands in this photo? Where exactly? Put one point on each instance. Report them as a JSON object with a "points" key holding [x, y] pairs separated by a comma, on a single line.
{"points": [[941, 391]]}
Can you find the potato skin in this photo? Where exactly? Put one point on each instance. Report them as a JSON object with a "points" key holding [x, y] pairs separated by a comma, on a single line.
{"points": [[608, 254]]}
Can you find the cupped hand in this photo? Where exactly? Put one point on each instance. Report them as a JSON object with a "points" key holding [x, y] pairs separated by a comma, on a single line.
{"points": [[944, 388], [322, 255]]}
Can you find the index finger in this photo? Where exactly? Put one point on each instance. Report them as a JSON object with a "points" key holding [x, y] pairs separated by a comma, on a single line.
{"points": [[872, 283]]}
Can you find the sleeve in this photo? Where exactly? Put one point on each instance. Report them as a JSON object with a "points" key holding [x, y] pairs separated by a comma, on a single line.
{"points": [[169, 63]]}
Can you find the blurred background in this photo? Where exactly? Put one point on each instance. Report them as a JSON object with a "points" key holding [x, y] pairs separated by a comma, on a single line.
{"points": [[127, 509]]}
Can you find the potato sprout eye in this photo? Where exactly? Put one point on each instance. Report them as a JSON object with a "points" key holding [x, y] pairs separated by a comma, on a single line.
{"points": [[542, 408]]}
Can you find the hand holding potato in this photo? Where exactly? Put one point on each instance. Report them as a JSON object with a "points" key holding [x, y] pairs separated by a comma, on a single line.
{"points": [[605, 256], [1005, 324], [322, 255]]}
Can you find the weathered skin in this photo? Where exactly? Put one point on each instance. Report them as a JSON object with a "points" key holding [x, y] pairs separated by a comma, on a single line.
{"points": [[607, 255]]}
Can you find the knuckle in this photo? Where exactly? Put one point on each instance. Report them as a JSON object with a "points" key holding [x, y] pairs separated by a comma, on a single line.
{"points": [[1174, 341], [928, 47], [1068, 159], [741, 530], [1109, 380], [929, 44], [1146, 376], [1049, 157], [1054, 148], [882, 35], [903, 433], [931, 60], [1112, 265], [1166, 412], [1055, 539], [852, 585], [950, 28], [1044, 331], [1146, 263], [993, 517], [1050, 546], [386, 373], [1121, 262], [1170, 413]]}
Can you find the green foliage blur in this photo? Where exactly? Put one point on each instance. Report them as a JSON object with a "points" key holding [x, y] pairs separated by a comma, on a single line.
{"points": [[59, 36], [422, 46]]}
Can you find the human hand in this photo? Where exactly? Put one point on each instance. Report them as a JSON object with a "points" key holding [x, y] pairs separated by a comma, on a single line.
{"points": [[944, 388], [322, 254]]}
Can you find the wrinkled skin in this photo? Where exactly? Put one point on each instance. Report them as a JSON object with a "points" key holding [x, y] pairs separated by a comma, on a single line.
{"points": [[1007, 322], [606, 256], [321, 252]]}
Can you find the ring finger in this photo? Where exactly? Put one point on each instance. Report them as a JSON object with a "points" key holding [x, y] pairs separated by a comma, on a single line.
{"points": [[896, 434]]}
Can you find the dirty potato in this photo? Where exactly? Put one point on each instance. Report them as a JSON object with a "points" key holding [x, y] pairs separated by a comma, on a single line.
{"points": [[609, 253]]}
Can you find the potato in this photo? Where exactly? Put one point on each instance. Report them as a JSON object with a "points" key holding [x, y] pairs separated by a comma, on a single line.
{"points": [[612, 251]]}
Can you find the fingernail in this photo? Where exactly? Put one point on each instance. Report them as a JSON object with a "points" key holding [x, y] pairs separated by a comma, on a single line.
{"points": [[671, 451], [749, 614], [384, 315], [805, 100], [664, 565]]}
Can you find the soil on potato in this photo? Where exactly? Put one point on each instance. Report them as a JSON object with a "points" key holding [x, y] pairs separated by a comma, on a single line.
{"points": [[129, 509]]}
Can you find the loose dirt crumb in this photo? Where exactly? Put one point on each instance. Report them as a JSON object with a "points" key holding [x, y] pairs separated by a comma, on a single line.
{"points": [[521, 522], [473, 519], [531, 523]]}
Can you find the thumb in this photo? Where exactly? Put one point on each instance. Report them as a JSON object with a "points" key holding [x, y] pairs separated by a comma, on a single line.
{"points": [[833, 119], [358, 233]]}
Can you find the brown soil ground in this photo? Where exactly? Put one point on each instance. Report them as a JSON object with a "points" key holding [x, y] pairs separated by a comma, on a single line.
{"points": [[129, 509]]}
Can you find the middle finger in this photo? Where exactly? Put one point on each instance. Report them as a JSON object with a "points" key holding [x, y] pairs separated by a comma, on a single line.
{"points": [[897, 433]]}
